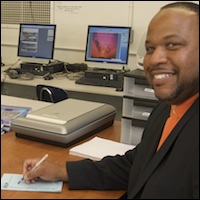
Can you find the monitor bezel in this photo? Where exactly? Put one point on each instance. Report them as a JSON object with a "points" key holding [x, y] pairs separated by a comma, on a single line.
{"points": [[37, 58], [107, 64]]}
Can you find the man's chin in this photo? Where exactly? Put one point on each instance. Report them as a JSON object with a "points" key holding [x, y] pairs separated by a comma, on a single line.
{"points": [[164, 96]]}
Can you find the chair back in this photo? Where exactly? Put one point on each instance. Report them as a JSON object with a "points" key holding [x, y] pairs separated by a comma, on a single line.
{"points": [[50, 93]]}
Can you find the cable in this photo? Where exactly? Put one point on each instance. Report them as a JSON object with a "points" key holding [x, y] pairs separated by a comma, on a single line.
{"points": [[7, 70]]}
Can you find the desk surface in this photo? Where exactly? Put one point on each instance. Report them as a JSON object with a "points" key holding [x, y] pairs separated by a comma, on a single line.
{"points": [[16, 101], [16, 150], [62, 82], [27, 89]]}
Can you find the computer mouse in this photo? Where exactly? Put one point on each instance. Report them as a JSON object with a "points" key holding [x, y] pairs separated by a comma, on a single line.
{"points": [[48, 77]]}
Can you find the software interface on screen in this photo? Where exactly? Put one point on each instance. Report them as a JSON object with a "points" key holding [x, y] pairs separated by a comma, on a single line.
{"points": [[108, 44], [36, 40]]}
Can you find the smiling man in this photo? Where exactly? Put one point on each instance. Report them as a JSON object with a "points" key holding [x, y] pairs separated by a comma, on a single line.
{"points": [[172, 59], [165, 165]]}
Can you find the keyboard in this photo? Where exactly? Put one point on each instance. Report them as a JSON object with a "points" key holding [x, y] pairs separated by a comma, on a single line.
{"points": [[101, 82]]}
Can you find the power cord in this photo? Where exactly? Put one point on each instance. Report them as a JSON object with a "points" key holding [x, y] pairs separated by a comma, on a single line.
{"points": [[7, 70]]}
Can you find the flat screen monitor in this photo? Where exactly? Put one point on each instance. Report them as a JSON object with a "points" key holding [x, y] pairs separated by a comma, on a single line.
{"points": [[107, 47], [36, 42]]}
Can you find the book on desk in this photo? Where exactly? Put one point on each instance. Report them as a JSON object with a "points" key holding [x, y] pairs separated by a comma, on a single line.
{"points": [[9, 113]]}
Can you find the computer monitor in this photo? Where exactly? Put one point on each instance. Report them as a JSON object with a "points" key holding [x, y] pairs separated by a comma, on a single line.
{"points": [[36, 42], [108, 46]]}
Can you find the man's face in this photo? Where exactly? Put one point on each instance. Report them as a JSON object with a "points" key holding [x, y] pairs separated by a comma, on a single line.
{"points": [[171, 63]]}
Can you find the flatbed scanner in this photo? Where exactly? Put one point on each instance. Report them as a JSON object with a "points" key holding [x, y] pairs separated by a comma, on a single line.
{"points": [[64, 123]]}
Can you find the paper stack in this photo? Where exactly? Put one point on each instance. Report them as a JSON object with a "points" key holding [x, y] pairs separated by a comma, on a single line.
{"points": [[97, 148]]}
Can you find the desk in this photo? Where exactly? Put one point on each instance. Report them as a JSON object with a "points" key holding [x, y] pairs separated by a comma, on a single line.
{"points": [[16, 150], [16, 101], [26, 89]]}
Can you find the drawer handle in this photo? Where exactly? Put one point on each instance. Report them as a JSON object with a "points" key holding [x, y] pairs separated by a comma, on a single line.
{"points": [[149, 90], [145, 114]]}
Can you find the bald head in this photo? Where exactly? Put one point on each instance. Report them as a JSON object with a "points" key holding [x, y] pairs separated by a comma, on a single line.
{"points": [[189, 6]]}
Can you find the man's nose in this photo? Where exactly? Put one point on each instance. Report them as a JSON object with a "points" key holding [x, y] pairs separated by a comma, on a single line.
{"points": [[159, 56]]}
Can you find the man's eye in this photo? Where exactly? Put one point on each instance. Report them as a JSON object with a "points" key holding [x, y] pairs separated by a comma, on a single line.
{"points": [[173, 45], [149, 50]]}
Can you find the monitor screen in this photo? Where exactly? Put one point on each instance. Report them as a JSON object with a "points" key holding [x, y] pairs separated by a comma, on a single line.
{"points": [[36, 42], [108, 44]]}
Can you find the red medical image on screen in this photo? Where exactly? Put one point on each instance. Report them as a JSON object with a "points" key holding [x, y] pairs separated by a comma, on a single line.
{"points": [[104, 45]]}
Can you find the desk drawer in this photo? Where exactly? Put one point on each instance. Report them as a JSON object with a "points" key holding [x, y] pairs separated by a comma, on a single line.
{"points": [[143, 91], [137, 112], [137, 108], [130, 132]]}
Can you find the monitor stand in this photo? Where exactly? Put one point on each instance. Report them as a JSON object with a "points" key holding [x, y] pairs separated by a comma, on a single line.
{"points": [[35, 60]]}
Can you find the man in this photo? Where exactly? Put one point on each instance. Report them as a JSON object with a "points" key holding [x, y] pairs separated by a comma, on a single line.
{"points": [[165, 165]]}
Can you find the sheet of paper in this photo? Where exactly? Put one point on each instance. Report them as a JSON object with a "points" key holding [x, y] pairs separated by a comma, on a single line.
{"points": [[10, 181], [97, 148]]}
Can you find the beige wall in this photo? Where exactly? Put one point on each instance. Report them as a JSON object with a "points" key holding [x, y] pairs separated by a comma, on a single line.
{"points": [[136, 14]]}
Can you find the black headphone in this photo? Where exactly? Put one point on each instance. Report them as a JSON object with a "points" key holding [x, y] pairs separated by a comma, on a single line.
{"points": [[14, 74]]}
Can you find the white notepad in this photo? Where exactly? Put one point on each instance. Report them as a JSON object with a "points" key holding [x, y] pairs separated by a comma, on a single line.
{"points": [[97, 148], [10, 182]]}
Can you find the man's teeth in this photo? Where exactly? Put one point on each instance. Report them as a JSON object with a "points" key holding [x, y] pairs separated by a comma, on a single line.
{"points": [[160, 76]]}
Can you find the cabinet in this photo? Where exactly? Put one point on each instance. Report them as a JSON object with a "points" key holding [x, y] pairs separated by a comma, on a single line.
{"points": [[138, 102]]}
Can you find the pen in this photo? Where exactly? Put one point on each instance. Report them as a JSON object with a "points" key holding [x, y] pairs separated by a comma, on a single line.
{"points": [[37, 164]]}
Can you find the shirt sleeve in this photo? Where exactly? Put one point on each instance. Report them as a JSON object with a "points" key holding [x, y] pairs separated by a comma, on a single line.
{"points": [[111, 173]]}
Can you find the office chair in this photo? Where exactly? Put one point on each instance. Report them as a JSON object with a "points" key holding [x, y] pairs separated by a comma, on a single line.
{"points": [[50, 93]]}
